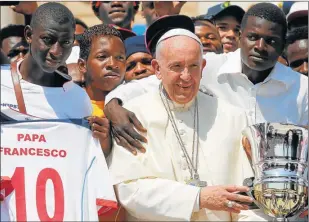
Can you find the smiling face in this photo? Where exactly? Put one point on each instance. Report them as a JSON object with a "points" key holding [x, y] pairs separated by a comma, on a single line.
{"points": [[179, 65], [297, 55], [117, 12], [261, 43], [209, 36], [138, 66], [105, 66], [51, 44], [229, 30]]}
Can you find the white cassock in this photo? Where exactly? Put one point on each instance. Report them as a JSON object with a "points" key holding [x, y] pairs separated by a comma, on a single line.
{"points": [[151, 186]]}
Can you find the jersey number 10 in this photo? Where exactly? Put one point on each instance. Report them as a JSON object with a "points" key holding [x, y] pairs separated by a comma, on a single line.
{"points": [[18, 183]]}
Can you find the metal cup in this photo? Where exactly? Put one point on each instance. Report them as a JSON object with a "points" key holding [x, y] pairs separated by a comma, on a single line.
{"points": [[278, 154]]}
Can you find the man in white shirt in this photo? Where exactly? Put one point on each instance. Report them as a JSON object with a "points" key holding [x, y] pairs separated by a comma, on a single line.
{"points": [[168, 182], [249, 78]]}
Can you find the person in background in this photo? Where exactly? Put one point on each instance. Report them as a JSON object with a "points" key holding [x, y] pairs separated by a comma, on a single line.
{"points": [[12, 42], [20, 48], [227, 19], [80, 26], [298, 15], [71, 62], [208, 34], [297, 49], [102, 62], [148, 12], [138, 64], [116, 12]]}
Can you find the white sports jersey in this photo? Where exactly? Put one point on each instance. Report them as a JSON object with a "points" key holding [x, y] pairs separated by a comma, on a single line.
{"points": [[48, 174], [68, 101]]}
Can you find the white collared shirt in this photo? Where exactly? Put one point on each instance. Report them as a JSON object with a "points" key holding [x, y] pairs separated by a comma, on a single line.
{"points": [[281, 97]]}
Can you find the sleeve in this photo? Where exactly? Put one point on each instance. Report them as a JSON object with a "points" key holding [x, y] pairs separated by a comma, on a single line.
{"points": [[133, 89], [251, 215], [102, 187], [158, 199]]}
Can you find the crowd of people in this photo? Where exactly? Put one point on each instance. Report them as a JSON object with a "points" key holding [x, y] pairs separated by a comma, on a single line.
{"points": [[167, 107]]}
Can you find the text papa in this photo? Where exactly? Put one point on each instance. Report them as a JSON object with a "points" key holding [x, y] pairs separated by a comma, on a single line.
{"points": [[31, 138]]}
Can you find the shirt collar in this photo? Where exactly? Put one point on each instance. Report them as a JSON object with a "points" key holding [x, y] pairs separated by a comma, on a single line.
{"points": [[233, 66]]}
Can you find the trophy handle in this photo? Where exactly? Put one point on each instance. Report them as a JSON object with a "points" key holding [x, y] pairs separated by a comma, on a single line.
{"points": [[249, 193], [249, 183]]}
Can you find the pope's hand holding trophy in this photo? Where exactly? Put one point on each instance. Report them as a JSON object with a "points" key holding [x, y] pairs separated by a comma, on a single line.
{"points": [[278, 154]]}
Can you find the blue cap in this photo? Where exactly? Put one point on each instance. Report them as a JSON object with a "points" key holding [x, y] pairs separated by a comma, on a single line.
{"points": [[135, 44], [225, 9]]}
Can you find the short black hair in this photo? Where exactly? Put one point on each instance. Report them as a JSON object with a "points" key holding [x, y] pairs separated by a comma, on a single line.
{"points": [[297, 34], [81, 23], [201, 18], [52, 11], [12, 30], [269, 12], [85, 39]]}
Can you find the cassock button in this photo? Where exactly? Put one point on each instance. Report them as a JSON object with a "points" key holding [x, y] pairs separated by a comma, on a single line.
{"points": [[182, 132]]}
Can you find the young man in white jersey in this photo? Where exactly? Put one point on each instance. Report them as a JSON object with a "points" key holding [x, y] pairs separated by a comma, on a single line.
{"points": [[44, 92]]}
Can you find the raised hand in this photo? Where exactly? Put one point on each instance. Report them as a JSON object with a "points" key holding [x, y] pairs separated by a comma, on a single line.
{"points": [[168, 8], [25, 8]]}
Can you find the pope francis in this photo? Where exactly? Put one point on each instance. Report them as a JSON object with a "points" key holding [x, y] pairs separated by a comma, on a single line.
{"points": [[193, 153]]}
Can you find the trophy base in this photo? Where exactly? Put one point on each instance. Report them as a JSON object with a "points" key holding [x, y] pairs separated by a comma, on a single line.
{"points": [[280, 220], [280, 200]]}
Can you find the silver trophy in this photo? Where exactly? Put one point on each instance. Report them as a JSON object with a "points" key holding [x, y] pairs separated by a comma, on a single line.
{"points": [[278, 154]]}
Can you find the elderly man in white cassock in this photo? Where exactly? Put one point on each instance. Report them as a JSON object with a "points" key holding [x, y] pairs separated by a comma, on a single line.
{"points": [[193, 165]]}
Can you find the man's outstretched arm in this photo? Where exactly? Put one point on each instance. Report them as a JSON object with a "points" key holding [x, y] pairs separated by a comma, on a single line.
{"points": [[124, 125]]}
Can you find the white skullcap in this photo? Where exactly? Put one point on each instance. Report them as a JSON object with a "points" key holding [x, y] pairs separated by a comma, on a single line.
{"points": [[180, 32]]}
